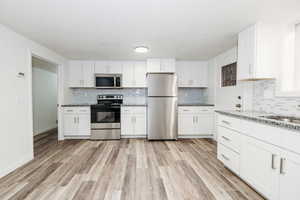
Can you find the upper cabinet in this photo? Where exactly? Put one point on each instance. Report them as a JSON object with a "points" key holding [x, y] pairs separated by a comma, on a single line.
{"points": [[81, 74], [161, 65], [192, 73], [108, 67], [259, 52], [134, 74]]}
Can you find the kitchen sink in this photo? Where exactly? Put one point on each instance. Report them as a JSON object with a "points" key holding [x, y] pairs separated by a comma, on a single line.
{"points": [[283, 118]]}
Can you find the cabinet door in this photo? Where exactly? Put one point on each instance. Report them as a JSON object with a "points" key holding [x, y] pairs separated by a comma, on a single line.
{"points": [[246, 53], [182, 73], [167, 65], [88, 69], [259, 166], [127, 124], [101, 67], [204, 124], [75, 74], [70, 124], [139, 124], [128, 74], [186, 124], [140, 74], [115, 67], [84, 125], [203, 81], [153, 65], [289, 178]]}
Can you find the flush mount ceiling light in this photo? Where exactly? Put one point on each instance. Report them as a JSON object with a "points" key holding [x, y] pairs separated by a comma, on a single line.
{"points": [[141, 49]]}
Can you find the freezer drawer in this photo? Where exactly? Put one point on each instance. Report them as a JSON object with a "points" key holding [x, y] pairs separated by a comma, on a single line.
{"points": [[162, 118], [162, 84]]}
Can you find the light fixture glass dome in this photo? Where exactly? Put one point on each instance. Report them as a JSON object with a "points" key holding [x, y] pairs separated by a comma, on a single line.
{"points": [[141, 49]]}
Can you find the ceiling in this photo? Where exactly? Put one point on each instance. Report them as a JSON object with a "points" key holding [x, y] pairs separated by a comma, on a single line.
{"points": [[98, 29]]}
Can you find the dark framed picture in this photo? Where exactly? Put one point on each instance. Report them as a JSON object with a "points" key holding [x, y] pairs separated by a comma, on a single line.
{"points": [[229, 75]]}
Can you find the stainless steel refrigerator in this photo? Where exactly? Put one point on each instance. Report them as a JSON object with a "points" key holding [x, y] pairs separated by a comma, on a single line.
{"points": [[162, 106]]}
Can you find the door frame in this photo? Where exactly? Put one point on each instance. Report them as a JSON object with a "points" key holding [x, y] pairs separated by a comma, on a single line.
{"points": [[60, 90]]}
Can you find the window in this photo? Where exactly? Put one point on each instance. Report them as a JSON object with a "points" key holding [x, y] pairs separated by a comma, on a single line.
{"points": [[290, 71], [229, 75]]}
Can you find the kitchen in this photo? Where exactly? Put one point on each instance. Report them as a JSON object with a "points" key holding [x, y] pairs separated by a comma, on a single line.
{"points": [[154, 101]]}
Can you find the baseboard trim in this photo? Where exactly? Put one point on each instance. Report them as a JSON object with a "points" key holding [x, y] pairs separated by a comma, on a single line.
{"points": [[46, 130], [194, 136], [133, 136], [16, 165]]}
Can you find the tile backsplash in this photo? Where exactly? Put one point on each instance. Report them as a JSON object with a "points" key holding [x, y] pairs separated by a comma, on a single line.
{"points": [[137, 96], [264, 99]]}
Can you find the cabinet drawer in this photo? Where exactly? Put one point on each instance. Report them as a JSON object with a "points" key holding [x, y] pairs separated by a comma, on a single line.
{"points": [[83, 110], [70, 110], [127, 110], [229, 158], [204, 109], [186, 109], [229, 138], [140, 110], [229, 122]]}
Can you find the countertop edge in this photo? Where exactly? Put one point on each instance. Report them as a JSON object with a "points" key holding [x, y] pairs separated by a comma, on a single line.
{"points": [[275, 123]]}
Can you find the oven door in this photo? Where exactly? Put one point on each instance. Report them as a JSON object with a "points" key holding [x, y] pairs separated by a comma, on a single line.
{"points": [[105, 116], [103, 81]]}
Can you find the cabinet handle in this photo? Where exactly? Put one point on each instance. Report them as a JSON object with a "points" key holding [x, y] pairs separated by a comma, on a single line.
{"points": [[78, 120], [193, 119], [225, 138], [282, 160], [273, 161], [225, 157], [186, 110], [74, 120], [197, 119], [226, 122]]}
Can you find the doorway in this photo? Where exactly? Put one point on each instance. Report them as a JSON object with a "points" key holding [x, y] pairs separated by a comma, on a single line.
{"points": [[44, 103]]}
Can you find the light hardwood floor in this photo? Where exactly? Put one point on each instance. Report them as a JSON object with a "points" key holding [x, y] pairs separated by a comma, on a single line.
{"points": [[132, 169]]}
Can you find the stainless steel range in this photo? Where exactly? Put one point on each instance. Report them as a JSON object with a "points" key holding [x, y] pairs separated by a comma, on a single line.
{"points": [[105, 117]]}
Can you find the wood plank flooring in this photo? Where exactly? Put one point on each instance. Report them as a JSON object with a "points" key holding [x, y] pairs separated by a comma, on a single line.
{"points": [[132, 169]]}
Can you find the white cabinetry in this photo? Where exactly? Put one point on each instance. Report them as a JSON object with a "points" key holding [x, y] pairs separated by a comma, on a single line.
{"points": [[108, 67], [76, 122], [259, 154], [195, 121], [134, 74], [161, 65], [192, 73], [259, 52], [81, 74], [133, 121]]}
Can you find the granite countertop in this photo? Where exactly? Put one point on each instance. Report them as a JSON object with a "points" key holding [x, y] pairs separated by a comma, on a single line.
{"points": [[195, 104], [76, 105], [257, 117]]}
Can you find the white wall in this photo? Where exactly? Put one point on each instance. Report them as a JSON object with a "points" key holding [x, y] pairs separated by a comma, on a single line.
{"points": [[44, 86], [16, 143]]}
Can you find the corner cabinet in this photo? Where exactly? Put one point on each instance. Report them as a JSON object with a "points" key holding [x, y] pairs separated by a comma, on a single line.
{"points": [[266, 157], [81, 74], [76, 122], [259, 52], [195, 121], [161, 65], [133, 121], [192, 74]]}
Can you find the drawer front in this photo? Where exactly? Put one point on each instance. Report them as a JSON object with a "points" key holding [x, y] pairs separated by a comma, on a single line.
{"points": [[229, 158], [140, 110], [229, 138], [229, 122], [70, 110], [127, 110], [203, 109], [186, 110], [83, 110]]}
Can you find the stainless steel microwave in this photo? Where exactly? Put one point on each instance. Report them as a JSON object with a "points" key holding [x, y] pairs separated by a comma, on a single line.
{"points": [[108, 80]]}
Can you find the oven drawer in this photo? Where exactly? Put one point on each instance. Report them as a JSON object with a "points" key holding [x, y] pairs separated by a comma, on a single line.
{"points": [[105, 125], [106, 134]]}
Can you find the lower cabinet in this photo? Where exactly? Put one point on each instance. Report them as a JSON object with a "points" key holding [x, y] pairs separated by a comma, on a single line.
{"points": [[77, 122], [195, 121], [133, 121], [259, 166], [271, 169]]}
